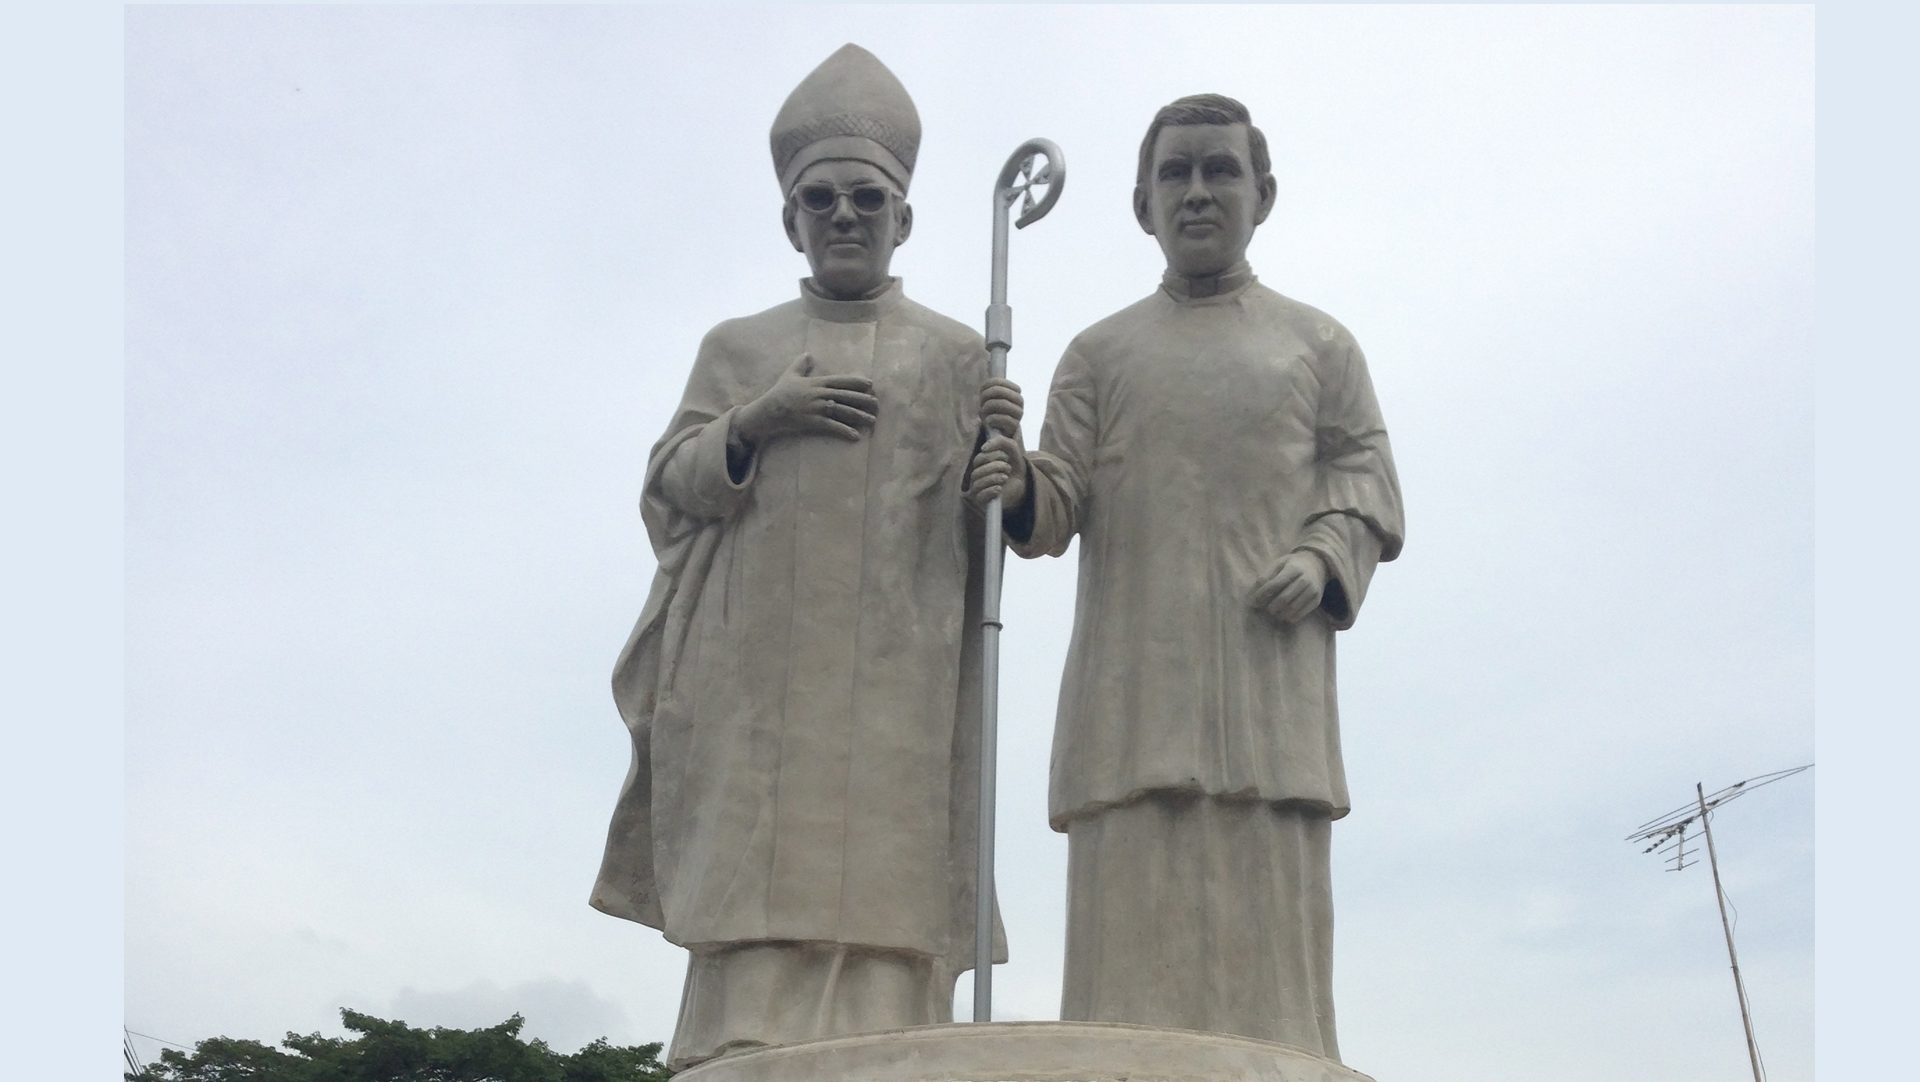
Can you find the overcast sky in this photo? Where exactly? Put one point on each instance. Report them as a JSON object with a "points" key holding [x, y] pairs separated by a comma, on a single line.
{"points": [[410, 292]]}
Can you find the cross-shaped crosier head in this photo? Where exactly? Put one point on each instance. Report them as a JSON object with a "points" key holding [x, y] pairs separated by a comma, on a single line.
{"points": [[1032, 178], [1205, 183]]}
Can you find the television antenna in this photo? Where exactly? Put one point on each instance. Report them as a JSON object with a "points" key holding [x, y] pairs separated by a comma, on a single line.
{"points": [[1667, 835]]}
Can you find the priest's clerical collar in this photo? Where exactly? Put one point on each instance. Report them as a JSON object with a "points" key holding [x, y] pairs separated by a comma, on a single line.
{"points": [[867, 309], [1185, 288]]}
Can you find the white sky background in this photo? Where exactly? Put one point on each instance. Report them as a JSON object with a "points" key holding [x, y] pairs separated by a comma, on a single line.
{"points": [[411, 291]]}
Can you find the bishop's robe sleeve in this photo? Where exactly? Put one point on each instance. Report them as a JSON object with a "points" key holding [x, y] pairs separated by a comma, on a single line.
{"points": [[707, 473], [698, 472], [1063, 466], [1356, 521]]}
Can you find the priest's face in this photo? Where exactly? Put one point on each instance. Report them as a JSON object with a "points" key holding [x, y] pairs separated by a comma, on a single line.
{"points": [[1201, 199], [848, 218]]}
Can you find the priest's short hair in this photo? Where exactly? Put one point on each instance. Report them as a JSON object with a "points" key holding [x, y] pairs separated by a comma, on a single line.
{"points": [[1204, 109]]}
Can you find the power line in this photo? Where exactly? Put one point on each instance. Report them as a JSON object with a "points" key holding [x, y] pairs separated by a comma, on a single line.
{"points": [[159, 1040], [134, 1065]]}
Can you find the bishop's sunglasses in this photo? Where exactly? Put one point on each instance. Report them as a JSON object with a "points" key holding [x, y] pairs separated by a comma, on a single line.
{"points": [[821, 198]]}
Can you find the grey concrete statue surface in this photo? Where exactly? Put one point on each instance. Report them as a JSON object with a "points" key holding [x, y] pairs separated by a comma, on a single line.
{"points": [[801, 686], [1218, 450]]}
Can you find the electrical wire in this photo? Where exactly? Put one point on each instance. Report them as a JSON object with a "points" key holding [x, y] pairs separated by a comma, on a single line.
{"points": [[134, 1066], [160, 1040]]}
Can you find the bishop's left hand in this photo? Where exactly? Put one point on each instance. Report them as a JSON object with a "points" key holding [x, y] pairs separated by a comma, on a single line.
{"points": [[1293, 591]]}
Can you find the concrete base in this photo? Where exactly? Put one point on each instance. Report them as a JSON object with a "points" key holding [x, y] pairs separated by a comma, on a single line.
{"points": [[1026, 1052]]}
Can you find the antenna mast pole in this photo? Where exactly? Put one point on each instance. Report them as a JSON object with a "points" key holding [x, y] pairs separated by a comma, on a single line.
{"points": [[1720, 897]]}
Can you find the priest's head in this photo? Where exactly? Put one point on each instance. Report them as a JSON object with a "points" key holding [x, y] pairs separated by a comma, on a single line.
{"points": [[1205, 182], [843, 147]]}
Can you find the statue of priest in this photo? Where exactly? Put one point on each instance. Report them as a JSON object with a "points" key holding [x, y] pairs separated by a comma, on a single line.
{"points": [[1218, 450], [802, 685]]}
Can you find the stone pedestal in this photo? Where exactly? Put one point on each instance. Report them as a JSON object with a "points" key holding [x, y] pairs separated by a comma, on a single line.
{"points": [[1026, 1052]]}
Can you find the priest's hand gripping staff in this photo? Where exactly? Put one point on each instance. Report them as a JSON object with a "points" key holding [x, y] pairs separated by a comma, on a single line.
{"points": [[1037, 164]]}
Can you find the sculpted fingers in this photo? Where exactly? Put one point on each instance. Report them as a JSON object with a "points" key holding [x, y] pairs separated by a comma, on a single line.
{"points": [[828, 426], [985, 488], [1270, 588], [1293, 591], [992, 457], [1010, 480], [847, 415], [1295, 588], [993, 471], [846, 383], [1001, 407], [1296, 601], [846, 400], [859, 400], [1000, 447], [989, 478], [984, 484], [801, 403]]}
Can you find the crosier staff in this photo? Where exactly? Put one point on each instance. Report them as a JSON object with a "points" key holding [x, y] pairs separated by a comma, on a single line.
{"points": [[1037, 164]]}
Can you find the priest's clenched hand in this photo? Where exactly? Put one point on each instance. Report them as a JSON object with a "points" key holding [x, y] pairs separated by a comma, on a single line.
{"points": [[1001, 407], [999, 467], [1295, 587], [801, 404]]}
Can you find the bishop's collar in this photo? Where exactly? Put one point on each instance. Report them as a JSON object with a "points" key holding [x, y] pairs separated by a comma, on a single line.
{"points": [[867, 309]]}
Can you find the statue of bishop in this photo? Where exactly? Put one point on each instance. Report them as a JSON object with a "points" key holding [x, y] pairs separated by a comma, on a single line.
{"points": [[802, 685]]}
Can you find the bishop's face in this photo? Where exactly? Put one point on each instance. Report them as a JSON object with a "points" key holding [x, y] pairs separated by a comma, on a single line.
{"points": [[848, 218], [1201, 199]]}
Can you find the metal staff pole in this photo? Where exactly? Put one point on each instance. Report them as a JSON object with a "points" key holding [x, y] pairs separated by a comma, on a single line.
{"points": [[1018, 179]]}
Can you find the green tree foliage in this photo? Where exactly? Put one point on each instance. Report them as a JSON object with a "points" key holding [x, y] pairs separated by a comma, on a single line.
{"points": [[383, 1051]]}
